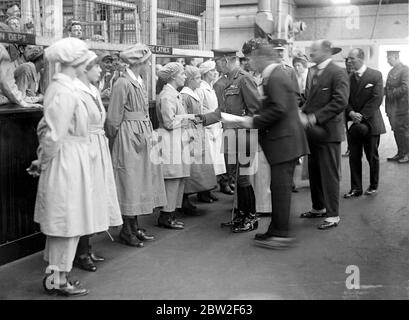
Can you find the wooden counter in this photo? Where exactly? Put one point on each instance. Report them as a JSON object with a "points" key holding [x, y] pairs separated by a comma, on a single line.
{"points": [[19, 235]]}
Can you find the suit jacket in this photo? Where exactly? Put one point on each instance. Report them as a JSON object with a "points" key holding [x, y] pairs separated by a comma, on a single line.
{"points": [[282, 135], [366, 97], [327, 99]]}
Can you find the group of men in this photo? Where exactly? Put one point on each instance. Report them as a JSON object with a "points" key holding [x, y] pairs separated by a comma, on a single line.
{"points": [[291, 126]]}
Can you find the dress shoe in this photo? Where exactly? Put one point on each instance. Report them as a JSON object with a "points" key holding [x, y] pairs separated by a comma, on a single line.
{"points": [[213, 196], [130, 240], [328, 225], [394, 158], [96, 258], [168, 220], [262, 236], [249, 223], [313, 215], [127, 235], [371, 192], [187, 204], [353, 193], [69, 289], [263, 214], [85, 263], [404, 159], [169, 224], [237, 220], [204, 197], [226, 190], [143, 236], [278, 243]]}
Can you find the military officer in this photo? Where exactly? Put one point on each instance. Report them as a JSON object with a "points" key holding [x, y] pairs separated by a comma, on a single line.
{"points": [[397, 108], [279, 45], [240, 98], [226, 181]]}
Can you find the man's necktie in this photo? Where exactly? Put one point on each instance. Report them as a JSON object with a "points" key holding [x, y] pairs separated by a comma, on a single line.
{"points": [[315, 77], [357, 77]]}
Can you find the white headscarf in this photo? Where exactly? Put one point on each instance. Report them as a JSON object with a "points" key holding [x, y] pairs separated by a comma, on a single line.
{"points": [[138, 53], [207, 66], [170, 70], [69, 51]]}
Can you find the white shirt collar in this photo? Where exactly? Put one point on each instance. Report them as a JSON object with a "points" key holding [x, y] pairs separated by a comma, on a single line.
{"points": [[362, 70], [324, 64]]}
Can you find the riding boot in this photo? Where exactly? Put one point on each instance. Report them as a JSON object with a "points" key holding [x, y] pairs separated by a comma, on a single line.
{"points": [[249, 222]]}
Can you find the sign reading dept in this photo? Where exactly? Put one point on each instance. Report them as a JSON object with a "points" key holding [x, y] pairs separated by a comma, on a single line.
{"points": [[161, 50], [19, 38]]}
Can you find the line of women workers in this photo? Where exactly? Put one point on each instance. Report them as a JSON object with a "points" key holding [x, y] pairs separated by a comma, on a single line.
{"points": [[82, 190]]}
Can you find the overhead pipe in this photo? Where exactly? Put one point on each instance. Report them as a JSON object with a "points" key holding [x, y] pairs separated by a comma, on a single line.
{"points": [[264, 17], [280, 21]]}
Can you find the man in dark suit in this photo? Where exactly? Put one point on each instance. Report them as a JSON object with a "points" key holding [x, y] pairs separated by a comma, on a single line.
{"points": [[365, 123], [327, 95], [282, 138]]}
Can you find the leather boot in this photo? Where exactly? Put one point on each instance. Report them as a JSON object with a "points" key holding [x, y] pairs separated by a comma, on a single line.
{"points": [[246, 204], [204, 197], [249, 223], [173, 218], [141, 234], [237, 219], [165, 221], [187, 207], [126, 235]]}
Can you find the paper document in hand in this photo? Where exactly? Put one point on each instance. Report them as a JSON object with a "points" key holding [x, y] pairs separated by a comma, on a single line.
{"points": [[185, 116], [231, 118]]}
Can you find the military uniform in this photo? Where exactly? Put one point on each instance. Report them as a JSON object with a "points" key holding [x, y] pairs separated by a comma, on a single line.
{"points": [[240, 95], [397, 106], [240, 98], [218, 87]]}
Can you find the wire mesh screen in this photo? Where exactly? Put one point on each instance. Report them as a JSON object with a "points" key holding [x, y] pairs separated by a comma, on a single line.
{"points": [[185, 24], [16, 16], [105, 21]]}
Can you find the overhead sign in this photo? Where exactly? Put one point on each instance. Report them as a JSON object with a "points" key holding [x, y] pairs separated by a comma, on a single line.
{"points": [[18, 38], [161, 50]]}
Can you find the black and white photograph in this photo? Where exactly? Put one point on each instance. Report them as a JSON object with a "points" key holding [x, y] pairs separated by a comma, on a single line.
{"points": [[207, 156]]}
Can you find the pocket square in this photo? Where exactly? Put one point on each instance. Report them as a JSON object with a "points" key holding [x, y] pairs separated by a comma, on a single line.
{"points": [[369, 85], [323, 89]]}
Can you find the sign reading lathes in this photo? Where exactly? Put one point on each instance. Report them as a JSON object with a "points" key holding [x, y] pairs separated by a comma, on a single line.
{"points": [[18, 38], [161, 50]]}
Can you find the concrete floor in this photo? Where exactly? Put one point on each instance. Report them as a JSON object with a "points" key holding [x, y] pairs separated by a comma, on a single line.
{"points": [[205, 261]]}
